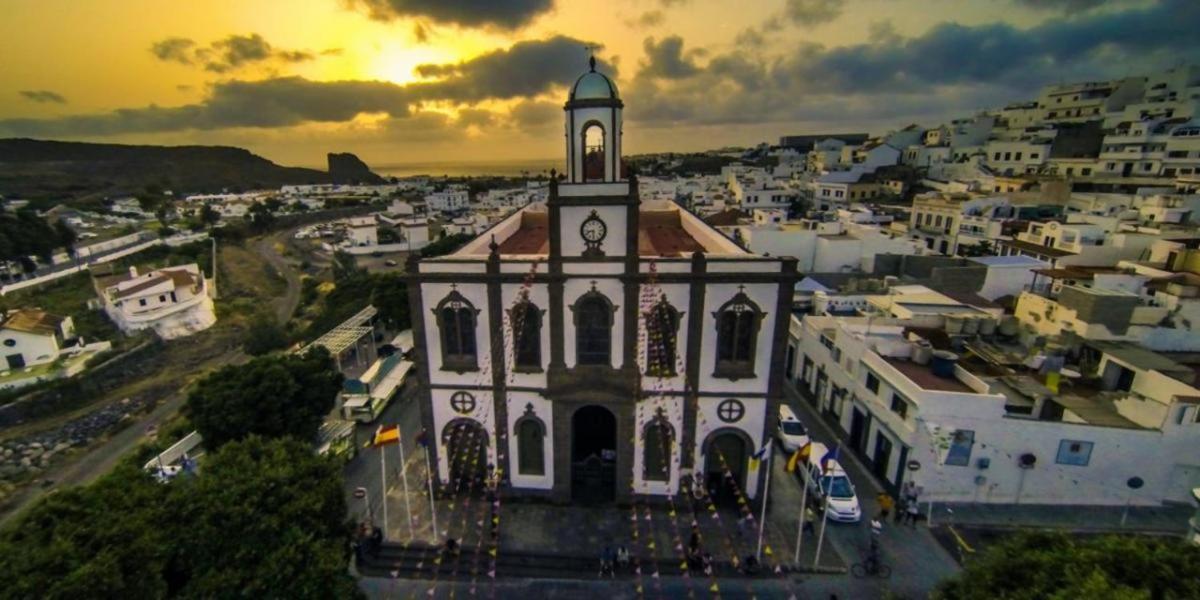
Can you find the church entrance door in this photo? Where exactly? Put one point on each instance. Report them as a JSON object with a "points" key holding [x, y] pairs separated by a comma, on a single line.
{"points": [[725, 468], [593, 455], [466, 452]]}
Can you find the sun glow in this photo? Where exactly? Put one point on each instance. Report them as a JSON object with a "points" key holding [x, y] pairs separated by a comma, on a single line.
{"points": [[398, 64]]}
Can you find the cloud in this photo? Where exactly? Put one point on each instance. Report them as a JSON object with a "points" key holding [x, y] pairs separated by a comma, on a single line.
{"points": [[665, 59], [174, 49], [230, 53], [531, 114], [43, 96], [813, 12], [527, 69], [1060, 5], [951, 66], [670, 3], [501, 14], [650, 18]]}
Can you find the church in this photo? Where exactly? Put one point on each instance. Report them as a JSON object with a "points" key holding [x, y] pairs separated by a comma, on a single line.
{"points": [[597, 348]]}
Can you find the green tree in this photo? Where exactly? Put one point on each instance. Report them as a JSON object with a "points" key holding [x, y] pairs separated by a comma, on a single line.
{"points": [[264, 519], [108, 540], [261, 218], [264, 335], [1058, 566], [273, 396], [209, 215]]}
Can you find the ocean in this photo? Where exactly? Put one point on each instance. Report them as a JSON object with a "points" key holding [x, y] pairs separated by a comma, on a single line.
{"points": [[506, 168]]}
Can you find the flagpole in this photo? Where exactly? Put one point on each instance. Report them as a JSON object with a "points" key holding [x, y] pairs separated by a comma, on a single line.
{"points": [[383, 483], [825, 510], [762, 520], [824, 521], [432, 504], [803, 514], [404, 477]]}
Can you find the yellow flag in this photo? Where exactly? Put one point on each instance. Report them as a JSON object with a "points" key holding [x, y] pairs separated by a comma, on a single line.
{"points": [[387, 435]]}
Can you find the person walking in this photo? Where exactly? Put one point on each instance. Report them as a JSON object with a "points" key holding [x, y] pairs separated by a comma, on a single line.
{"points": [[622, 558], [911, 513], [886, 504], [606, 562], [810, 520]]}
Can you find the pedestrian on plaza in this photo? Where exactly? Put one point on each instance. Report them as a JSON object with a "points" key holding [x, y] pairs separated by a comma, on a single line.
{"points": [[876, 529], [694, 542], [622, 558], [912, 512], [886, 504], [376, 542], [706, 562], [606, 562], [451, 548], [810, 520], [750, 565]]}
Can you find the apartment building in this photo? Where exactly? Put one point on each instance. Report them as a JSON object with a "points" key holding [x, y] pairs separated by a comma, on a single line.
{"points": [[1078, 244], [969, 420]]}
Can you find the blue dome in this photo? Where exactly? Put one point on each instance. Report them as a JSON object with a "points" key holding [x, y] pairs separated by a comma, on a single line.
{"points": [[594, 86]]}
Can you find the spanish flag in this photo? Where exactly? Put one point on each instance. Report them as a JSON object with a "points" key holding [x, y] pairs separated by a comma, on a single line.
{"points": [[801, 453], [387, 435]]}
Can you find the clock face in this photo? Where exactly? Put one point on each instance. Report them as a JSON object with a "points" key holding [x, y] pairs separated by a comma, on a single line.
{"points": [[593, 229]]}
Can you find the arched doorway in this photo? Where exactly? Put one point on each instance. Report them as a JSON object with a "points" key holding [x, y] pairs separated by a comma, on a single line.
{"points": [[593, 455], [466, 445], [725, 455]]}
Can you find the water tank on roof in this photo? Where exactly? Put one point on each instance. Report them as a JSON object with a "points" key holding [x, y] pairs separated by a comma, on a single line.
{"points": [[970, 326], [943, 363], [922, 352], [987, 326], [954, 324]]}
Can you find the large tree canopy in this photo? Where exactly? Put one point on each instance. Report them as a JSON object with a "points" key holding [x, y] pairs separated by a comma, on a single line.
{"points": [[1058, 566], [262, 519], [25, 234], [273, 396]]}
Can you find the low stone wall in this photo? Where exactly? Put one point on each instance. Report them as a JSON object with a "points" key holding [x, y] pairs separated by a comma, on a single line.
{"points": [[67, 394]]}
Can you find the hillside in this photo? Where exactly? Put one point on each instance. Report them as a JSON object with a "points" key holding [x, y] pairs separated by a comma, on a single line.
{"points": [[45, 169]]}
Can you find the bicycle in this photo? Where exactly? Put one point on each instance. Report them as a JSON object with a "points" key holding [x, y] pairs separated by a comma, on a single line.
{"points": [[871, 566]]}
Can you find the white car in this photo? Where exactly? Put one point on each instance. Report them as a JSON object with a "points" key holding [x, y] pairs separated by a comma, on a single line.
{"points": [[791, 433], [843, 501]]}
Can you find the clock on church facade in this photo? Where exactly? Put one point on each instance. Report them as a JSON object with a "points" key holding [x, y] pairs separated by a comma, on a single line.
{"points": [[597, 347]]}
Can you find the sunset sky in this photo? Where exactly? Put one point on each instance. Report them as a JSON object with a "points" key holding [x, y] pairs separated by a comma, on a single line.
{"points": [[400, 81]]}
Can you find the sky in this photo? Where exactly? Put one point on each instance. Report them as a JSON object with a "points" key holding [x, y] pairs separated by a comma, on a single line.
{"points": [[404, 81]]}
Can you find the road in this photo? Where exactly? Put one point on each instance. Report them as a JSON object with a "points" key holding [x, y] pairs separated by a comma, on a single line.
{"points": [[918, 561], [286, 304], [103, 456]]}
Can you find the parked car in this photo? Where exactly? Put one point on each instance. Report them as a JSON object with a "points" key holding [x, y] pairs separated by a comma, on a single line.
{"points": [[831, 480], [791, 433]]}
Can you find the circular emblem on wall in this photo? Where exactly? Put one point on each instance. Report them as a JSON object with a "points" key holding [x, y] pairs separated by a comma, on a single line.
{"points": [[731, 410], [462, 403]]}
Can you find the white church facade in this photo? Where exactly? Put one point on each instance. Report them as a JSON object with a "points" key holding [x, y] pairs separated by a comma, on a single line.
{"points": [[596, 348]]}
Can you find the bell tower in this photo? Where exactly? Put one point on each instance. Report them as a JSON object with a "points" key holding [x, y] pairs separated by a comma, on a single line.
{"points": [[593, 129]]}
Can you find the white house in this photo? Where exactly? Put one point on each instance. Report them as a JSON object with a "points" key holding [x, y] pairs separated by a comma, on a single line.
{"points": [[33, 337], [173, 301], [449, 200], [362, 231], [964, 433], [599, 346]]}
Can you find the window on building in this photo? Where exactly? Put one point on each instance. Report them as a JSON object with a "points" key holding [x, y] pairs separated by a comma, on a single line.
{"points": [[593, 329], [872, 383], [593, 152], [525, 321], [141, 302], [456, 319], [1072, 452], [162, 298], [531, 458], [959, 453], [657, 439], [1008, 156], [937, 222], [1085, 171], [737, 335], [1147, 166], [1017, 156], [899, 406], [662, 329], [996, 157]]}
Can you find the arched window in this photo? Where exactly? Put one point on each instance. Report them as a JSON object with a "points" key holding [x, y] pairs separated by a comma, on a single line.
{"points": [[593, 152], [657, 437], [525, 321], [662, 327], [531, 437], [737, 334], [456, 319], [593, 329]]}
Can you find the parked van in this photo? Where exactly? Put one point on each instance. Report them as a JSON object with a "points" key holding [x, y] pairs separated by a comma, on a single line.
{"points": [[843, 502], [791, 433]]}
